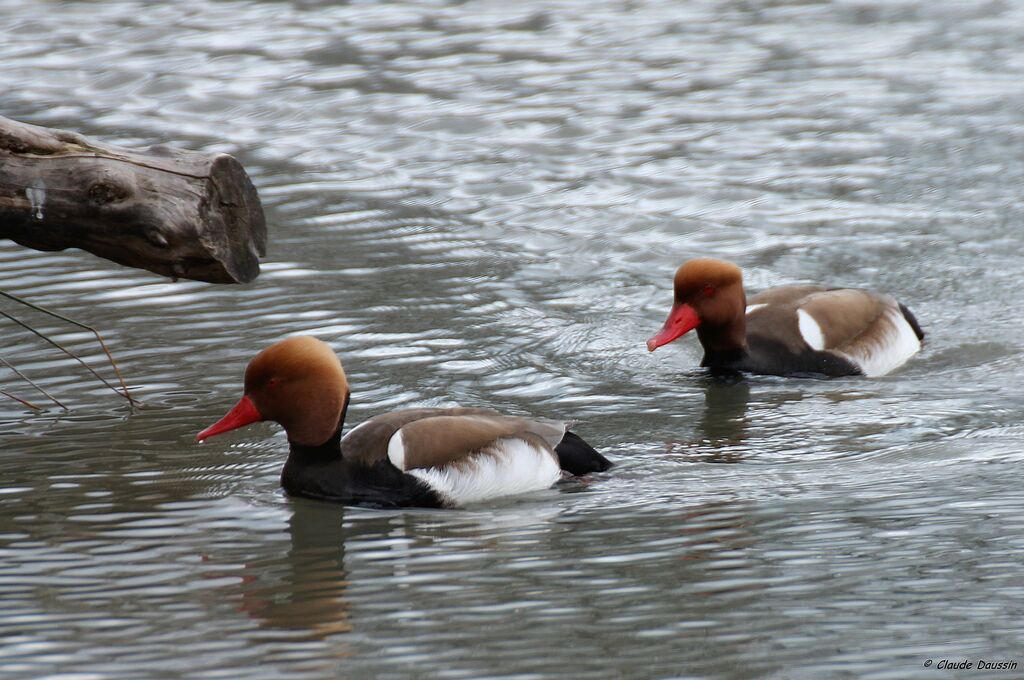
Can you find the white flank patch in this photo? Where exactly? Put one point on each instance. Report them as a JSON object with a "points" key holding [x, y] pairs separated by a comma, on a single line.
{"points": [[888, 349], [810, 330], [507, 467], [396, 450], [754, 308]]}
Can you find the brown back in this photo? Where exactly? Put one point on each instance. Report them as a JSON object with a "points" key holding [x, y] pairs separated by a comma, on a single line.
{"points": [[782, 295]]}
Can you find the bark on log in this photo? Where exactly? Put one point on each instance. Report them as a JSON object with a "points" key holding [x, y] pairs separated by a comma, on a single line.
{"points": [[173, 212]]}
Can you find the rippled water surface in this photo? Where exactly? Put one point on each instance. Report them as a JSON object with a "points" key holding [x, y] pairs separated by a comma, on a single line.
{"points": [[483, 203]]}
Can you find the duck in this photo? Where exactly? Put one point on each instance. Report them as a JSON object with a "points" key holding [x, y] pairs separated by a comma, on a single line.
{"points": [[419, 457], [795, 330]]}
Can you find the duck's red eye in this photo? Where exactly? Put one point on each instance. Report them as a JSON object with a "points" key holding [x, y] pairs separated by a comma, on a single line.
{"points": [[709, 290], [272, 382]]}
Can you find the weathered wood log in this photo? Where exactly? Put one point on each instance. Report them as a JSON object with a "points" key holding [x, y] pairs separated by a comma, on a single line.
{"points": [[174, 212]]}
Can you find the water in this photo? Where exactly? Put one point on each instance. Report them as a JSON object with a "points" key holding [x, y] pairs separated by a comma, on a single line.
{"points": [[483, 203]]}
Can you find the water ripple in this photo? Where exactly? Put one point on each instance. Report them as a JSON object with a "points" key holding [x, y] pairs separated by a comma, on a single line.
{"points": [[484, 205]]}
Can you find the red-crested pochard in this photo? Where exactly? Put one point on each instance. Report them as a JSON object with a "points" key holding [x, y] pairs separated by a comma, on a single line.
{"points": [[788, 330], [426, 457]]}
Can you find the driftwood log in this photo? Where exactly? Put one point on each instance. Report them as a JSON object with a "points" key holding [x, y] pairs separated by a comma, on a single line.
{"points": [[177, 213]]}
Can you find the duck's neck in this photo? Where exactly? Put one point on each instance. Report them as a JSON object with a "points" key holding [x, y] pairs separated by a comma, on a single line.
{"points": [[314, 471], [329, 450], [726, 343]]}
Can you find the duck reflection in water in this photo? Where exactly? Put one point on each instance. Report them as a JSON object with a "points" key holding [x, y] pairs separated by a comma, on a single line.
{"points": [[722, 427], [723, 423], [303, 590]]}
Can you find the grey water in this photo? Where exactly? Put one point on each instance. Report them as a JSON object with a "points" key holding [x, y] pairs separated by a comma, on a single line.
{"points": [[483, 203]]}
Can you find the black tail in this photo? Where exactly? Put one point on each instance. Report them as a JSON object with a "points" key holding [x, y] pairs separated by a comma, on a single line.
{"points": [[912, 320], [577, 457]]}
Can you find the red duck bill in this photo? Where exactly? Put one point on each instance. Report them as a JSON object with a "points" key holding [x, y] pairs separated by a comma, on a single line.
{"points": [[681, 320], [243, 413]]}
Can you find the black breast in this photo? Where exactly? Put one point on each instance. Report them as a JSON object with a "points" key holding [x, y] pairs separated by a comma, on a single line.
{"points": [[768, 356], [322, 473]]}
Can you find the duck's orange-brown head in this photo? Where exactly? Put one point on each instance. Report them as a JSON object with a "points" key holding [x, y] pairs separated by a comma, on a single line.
{"points": [[708, 293], [297, 382]]}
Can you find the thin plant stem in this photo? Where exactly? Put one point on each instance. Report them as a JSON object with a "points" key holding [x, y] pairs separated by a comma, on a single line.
{"points": [[96, 333], [32, 383], [26, 403]]}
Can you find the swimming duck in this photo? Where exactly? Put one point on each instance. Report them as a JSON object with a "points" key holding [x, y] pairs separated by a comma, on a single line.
{"points": [[426, 457], [796, 330]]}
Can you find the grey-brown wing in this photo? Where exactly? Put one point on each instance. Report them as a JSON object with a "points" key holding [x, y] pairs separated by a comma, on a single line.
{"points": [[846, 316], [442, 440], [368, 441], [432, 437]]}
